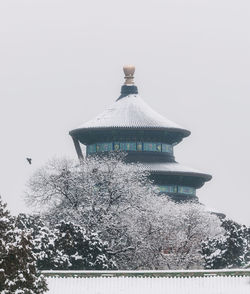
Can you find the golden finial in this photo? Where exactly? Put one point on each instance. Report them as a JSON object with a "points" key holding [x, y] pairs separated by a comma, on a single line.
{"points": [[129, 71]]}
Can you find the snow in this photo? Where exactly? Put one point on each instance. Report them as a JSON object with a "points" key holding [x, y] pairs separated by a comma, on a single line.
{"points": [[135, 219], [237, 272], [132, 112], [174, 168], [148, 285]]}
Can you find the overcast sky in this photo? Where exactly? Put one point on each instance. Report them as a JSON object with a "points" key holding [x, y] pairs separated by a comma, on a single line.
{"points": [[61, 64]]}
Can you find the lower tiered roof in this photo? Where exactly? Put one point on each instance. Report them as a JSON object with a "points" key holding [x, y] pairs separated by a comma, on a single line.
{"points": [[175, 168]]}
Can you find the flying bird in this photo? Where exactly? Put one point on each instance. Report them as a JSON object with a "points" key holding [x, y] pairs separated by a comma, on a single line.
{"points": [[29, 160]]}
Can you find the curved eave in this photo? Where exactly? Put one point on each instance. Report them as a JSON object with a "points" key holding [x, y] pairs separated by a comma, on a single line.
{"points": [[175, 169], [129, 113], [205, 177], [83, 134]]}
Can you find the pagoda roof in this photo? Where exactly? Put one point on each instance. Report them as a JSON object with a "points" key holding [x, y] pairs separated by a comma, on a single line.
{"points": [[174, 168], [131, 112]]}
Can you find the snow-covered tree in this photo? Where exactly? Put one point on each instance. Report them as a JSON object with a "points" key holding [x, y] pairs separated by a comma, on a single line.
{"points": [[43, 239], [232, 250], [99, 194], [18, 273], [65, 246], [119, 201], [81, 251], [174, 232]]}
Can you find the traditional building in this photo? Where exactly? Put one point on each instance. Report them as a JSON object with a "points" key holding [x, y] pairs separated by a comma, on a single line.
{"points": [[147, 137]]}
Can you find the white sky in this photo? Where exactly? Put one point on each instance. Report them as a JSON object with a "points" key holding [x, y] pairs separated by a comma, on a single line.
{"points": [[61, 64]]}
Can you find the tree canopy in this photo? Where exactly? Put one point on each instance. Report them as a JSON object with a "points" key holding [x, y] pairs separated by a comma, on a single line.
{"points": [[231, 250], [143, 229], [65, 246], [18, 272]]}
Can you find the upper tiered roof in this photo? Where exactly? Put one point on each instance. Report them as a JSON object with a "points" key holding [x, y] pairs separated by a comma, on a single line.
{"points": [[130, 112]]}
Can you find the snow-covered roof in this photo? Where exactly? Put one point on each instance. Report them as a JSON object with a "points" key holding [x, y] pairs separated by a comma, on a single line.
{"points": [[209, 283], [131, 112], [175, 169]]}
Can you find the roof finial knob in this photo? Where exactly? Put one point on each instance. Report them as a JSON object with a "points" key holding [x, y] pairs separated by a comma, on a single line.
{"points": [[129, 71]]}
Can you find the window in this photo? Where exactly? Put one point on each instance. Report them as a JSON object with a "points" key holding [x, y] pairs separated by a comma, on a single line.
{"points": [[158, 147], [116, 146], [186, 190], [129, 146], [168, 189], [149, 146], [155, 147], [104, 147], [177, 189], [91, 148], [167, 148], [139, 146]]}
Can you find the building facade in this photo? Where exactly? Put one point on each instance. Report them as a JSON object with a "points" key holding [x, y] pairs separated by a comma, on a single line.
{"points": [[147, 137]]}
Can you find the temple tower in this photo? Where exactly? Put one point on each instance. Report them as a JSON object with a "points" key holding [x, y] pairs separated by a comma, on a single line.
{"points": [[147, 137]]}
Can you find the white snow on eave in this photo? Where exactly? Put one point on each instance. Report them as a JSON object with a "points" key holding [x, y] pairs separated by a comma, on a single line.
{"points": [[130, 111], [171, 167]]}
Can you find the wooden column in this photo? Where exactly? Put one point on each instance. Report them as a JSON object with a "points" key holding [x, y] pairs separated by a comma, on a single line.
{"points": [[78, 149]]}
